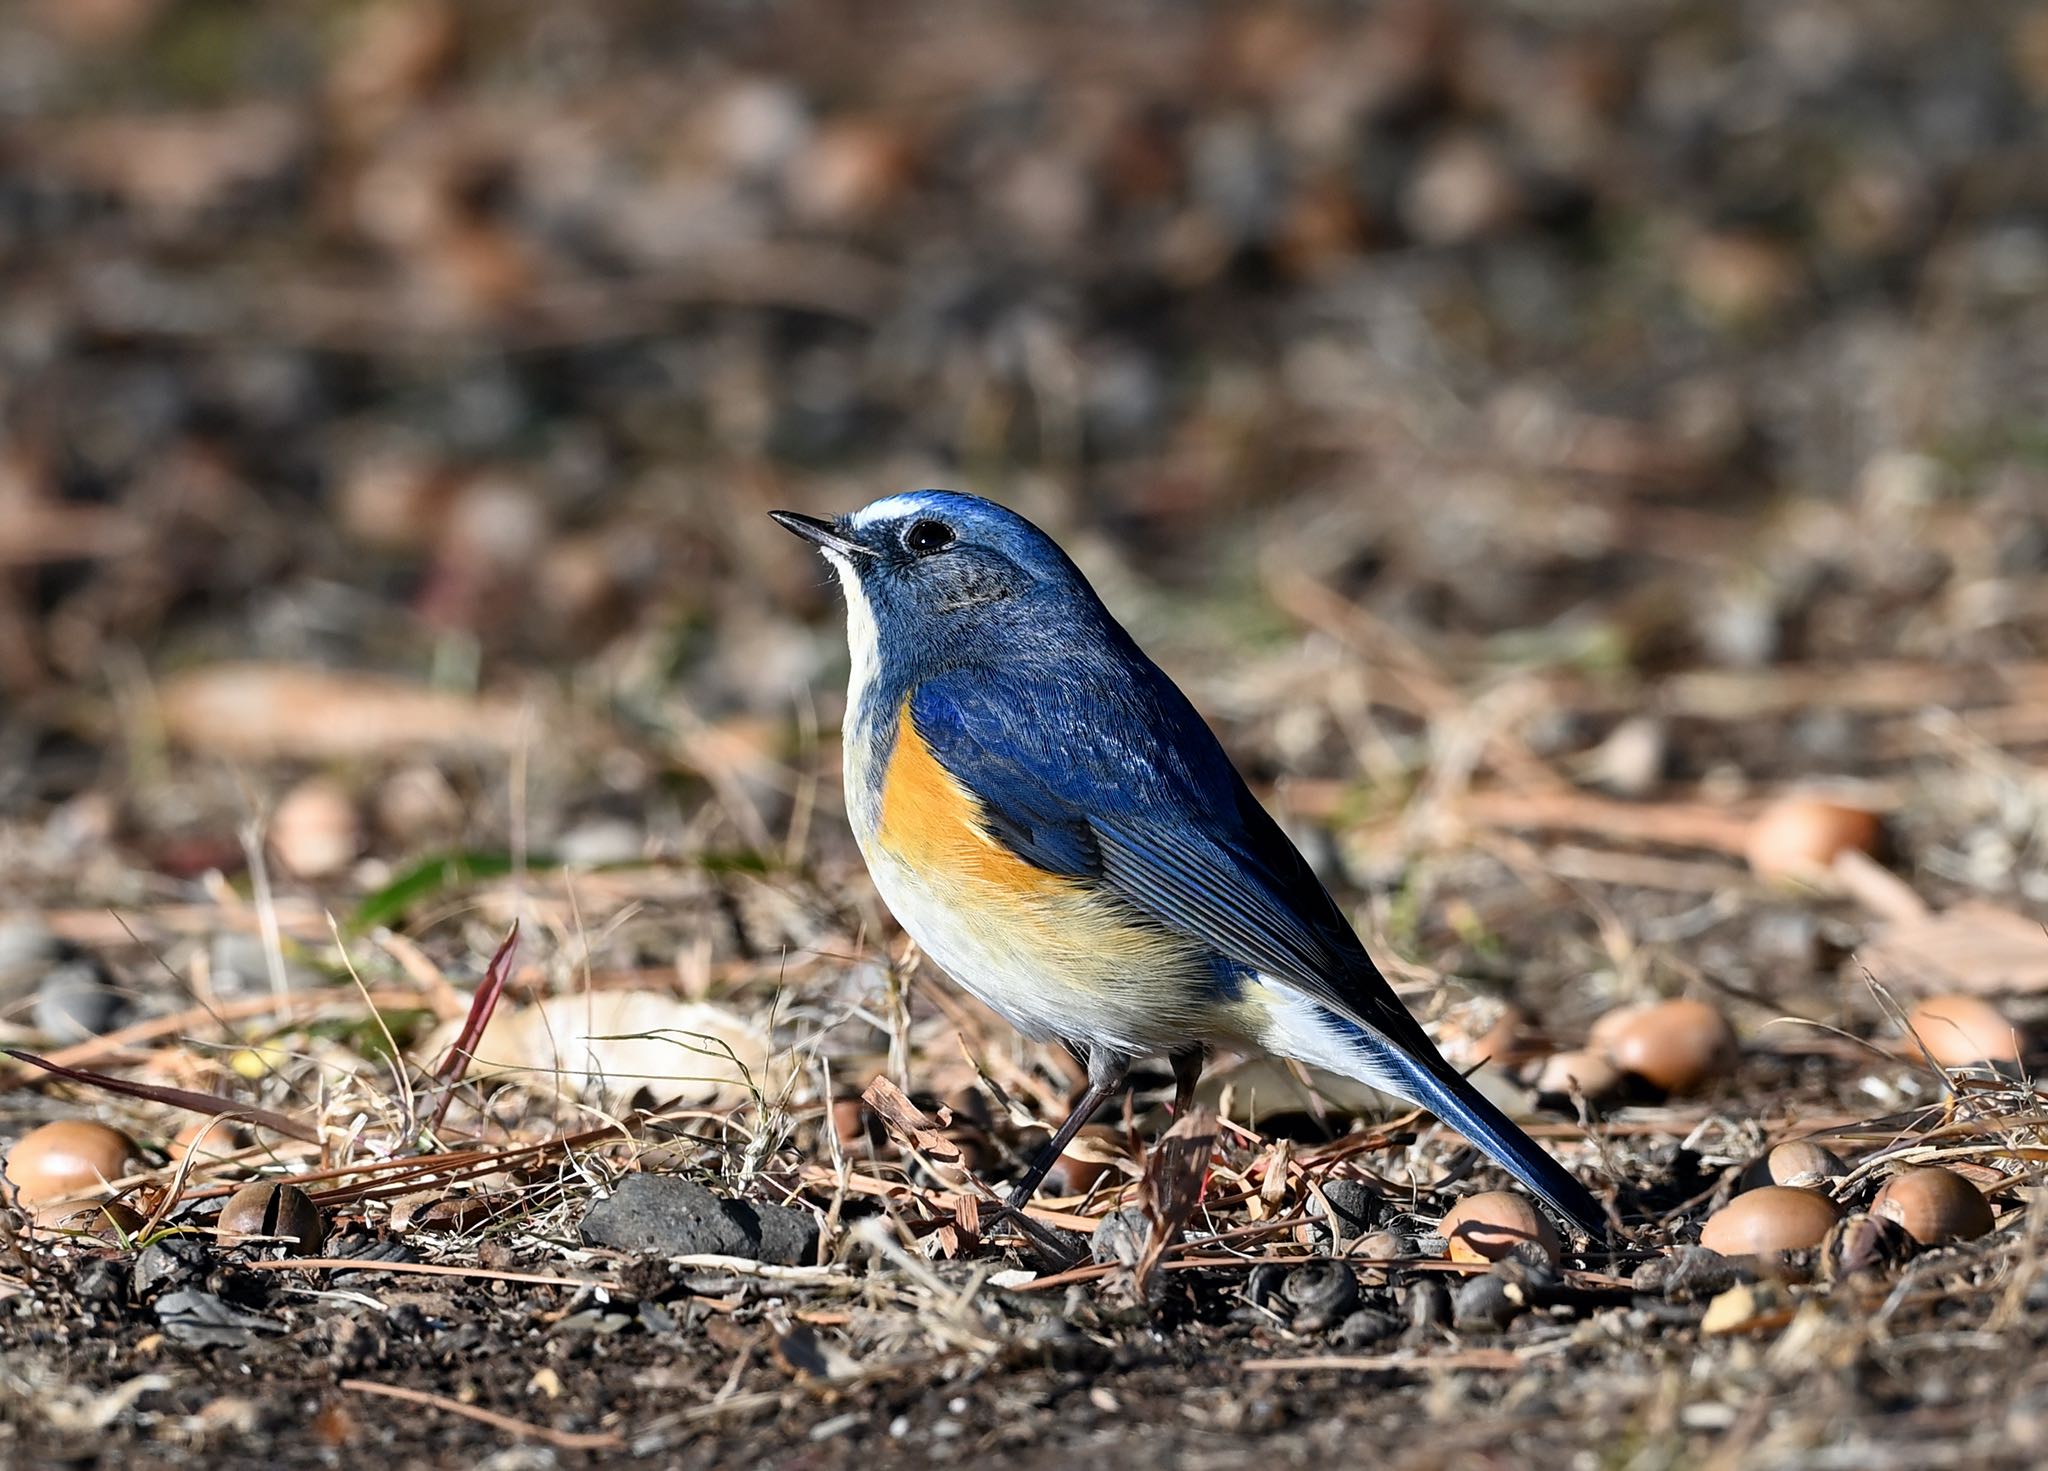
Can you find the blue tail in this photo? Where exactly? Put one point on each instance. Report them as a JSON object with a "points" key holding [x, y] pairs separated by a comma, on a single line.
{"points": [[1466, 1109]]}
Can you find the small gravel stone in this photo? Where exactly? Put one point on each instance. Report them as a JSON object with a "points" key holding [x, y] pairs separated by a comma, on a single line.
{"points": [[101, 1280], [1366, 1327], [1428, 1303], [75, 1000], [1483, 1304], [663, 1215], [370, 1251], [1529, 1270], [169, 1262], [1697, 1274], [27, 951], [1120, 1238], [1358, 1209], [1382, 1246], [202, 1320], [1262, 1287]]}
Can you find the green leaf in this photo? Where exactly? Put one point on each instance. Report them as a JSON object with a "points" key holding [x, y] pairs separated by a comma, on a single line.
{"points": [[428, 878]]}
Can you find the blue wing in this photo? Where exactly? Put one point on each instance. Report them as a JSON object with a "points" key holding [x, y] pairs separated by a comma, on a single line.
{"points": [[1113, 776]]}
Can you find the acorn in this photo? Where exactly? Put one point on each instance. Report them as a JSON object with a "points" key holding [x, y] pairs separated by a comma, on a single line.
{"points": [[315, 831], [1677, 1046], [1796, 838], [1769, 1221], [1864, 1244], [1484, 1031], [211, 1138], [1796, 1162], [1936, 1206], [1578, 1073], [1962, 1031], [67, 1158], [266, 1209], [1486, 1227]]}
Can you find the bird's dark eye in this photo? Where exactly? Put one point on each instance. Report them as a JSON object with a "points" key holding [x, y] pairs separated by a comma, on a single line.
{"points": [[926, 537]]}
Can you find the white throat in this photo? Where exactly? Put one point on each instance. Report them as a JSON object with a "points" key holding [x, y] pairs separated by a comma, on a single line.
{"points": [[863, 641]]}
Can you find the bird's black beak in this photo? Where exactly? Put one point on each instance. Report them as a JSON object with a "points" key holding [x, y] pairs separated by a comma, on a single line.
{"points": [[821, 532]]}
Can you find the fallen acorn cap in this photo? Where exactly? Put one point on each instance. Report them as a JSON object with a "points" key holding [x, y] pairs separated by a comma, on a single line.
{"points": [[265, 1211]]}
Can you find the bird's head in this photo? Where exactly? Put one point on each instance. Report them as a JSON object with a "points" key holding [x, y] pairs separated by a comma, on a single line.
{"points": [[937, 570]]}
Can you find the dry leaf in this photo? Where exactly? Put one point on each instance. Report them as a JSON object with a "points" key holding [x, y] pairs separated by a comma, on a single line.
{"points": [[258, 711], [618, 1043], [1748, 1307], [1172, 1187], [1974, 947], [910, 1125]]}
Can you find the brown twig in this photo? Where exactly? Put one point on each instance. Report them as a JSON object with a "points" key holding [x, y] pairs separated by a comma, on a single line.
{"points": [[568, 1440], [423, 1269]]}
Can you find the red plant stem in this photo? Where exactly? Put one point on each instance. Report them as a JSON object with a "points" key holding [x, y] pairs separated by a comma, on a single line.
{"points": [[208, 1103], [481, 1006]]}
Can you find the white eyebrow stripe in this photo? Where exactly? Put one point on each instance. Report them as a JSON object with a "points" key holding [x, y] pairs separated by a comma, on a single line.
{"points": [[889, 508]]}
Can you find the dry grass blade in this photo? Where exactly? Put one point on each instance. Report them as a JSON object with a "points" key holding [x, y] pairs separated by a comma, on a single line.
{"points": [[1490, 1359], [221, 1011], [427, 1269], [211, 1104]]}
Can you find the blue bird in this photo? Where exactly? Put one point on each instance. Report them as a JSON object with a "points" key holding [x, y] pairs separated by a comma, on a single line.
{"points": [[1048, 817]]}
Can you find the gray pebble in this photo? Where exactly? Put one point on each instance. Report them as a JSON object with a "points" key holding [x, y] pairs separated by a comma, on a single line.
{"points": [[1357, 1205], [170, 1261], [1687, 1274], [75, 1001], [1120, 1237], [1366, 1327], [27, 950], [1262, 1287], [784, 1235], [1529, 1270], [1429, 1307], [662, 1215], [1384, 1246], [201, 1320], [1484, 1304], [241, 966]]}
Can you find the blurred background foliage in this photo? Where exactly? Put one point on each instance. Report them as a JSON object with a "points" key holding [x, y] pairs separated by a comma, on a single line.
{"points": [[470, 341]]}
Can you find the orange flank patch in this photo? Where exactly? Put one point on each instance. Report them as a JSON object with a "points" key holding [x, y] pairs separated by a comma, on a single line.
{"points": [[1056, 955], [930, 823]]}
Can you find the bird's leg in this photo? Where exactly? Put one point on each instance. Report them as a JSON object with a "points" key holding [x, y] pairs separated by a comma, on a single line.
{"points": [[1187, 1072], [1106, 1072]]}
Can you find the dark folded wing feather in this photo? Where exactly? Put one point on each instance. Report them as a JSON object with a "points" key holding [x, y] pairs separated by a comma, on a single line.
{"points": [[1117, 778]]}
